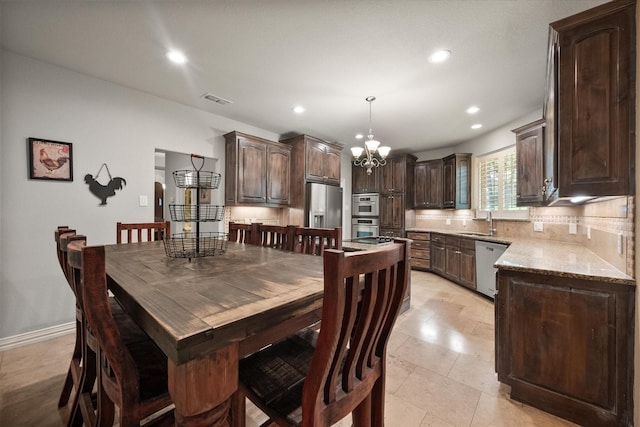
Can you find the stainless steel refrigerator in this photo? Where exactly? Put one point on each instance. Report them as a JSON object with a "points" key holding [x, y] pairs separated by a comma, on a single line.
{"points": [[323, 206]]}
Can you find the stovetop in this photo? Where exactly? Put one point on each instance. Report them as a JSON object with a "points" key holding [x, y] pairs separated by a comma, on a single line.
{"points": [[372, 240]]}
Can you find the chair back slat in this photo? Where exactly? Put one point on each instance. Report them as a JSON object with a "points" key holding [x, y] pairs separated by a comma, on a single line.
{"points": [[244, 233], [277, 236], [152, 231], [314, 241], [363, 294]]}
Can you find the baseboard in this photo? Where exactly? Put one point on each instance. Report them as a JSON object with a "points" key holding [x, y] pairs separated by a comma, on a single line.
{"points": [[36, 336]]}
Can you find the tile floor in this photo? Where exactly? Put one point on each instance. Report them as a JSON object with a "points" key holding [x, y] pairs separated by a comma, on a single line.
{"points": [[440, 369]]}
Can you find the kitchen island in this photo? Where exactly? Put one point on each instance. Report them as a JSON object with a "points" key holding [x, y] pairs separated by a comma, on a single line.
{"points": [[564, 329]]}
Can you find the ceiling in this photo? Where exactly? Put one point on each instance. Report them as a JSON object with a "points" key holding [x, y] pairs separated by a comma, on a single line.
{"points": [[267, 56]]}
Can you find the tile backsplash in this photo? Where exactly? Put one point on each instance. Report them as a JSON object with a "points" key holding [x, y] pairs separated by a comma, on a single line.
{"points": [[606, 227]]}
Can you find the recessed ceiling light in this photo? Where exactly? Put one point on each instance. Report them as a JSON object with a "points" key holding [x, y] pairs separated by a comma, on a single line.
{"points": [[359, 136], [176, 56], [298, 109], [476, 126], [472, 110], [440, 56]]}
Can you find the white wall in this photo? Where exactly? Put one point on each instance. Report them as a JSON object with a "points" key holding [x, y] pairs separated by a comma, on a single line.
{"points": [[106, 123]]}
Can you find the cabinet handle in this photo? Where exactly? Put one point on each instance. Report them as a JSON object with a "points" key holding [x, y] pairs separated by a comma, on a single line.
{"points": [[517, 196]]}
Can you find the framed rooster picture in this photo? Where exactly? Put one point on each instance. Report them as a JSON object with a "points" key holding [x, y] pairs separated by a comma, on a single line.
{"points": [[51, 160]]}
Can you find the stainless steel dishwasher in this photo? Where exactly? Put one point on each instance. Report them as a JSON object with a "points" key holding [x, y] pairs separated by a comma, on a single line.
{"points": [[486, 255]]}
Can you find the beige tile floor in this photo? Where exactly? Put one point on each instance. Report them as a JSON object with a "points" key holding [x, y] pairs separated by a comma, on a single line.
{"points": [[440, 369]]}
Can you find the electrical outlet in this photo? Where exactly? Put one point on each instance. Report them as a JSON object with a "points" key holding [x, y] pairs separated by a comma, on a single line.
{"points": [[144, 201], [448, 221], [573, 228], [538, 226], [589, 232], [619, 243], [464, 222]]}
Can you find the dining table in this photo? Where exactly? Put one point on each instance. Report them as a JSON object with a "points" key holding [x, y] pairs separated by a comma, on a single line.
{"points": [[207, 313]]}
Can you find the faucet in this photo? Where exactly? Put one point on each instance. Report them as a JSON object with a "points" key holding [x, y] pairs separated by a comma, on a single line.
{"points": [[490, 221]]}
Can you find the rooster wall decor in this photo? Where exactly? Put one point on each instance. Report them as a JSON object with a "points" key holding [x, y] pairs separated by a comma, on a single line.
{"points": [[103, 192]]}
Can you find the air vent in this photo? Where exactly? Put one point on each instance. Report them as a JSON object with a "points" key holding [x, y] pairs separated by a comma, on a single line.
{"points": [[213, 98]]}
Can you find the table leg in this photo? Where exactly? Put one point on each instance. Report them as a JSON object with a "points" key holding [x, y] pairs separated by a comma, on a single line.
{"points": [[201, 389]]}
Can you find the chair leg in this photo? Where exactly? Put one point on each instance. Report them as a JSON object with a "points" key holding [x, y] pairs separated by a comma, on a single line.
{"points": [[73, 365], [362, 414], [83, 410], [377, 399], [238, 409]]}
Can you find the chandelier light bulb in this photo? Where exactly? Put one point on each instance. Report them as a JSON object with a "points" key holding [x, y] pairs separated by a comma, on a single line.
{"points": [[372, 144], [357, 151], [384, 151]]}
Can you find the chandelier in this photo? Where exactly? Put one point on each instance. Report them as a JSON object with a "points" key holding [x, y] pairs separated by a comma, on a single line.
{"points": [[374, 155]]}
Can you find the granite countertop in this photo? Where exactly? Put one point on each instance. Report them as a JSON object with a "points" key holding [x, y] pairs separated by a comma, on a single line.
{"points": [[550, 257]]}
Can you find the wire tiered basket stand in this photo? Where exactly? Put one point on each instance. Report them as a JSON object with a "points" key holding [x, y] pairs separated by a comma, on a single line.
{"points": [[196, 244]]}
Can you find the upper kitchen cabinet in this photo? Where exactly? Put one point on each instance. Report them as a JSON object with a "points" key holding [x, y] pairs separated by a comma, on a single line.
{"points": [[456, 181], [257, 171], [427, 181], [362, 182], [531, 184], [590, 107], [312, 160], [395, 175]]}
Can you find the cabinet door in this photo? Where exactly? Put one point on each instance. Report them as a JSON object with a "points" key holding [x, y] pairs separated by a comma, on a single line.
{"points": [[596, 106], [449, 182], [468, 268], [315, 154], [452, 262], [463, 181], [332, 166], [361, 182], [420, 184], [530, 161], [394, 175], [252, 170], [278, 175], [434, 184], [438, 257], [392, 211]]}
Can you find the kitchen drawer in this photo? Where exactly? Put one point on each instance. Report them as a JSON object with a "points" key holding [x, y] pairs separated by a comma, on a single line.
{"points": [[440, 238], [420, 263], [420, 244], [467, 244], [419, 236], [420, 253], [452, 241]]}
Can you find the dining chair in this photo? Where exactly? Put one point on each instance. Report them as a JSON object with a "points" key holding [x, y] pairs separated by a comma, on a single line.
{"points": [[304, 382], [244, 233], [149, 230], [314, 241], [132, 370], [83, 366], [276, 236], [73, 373]]}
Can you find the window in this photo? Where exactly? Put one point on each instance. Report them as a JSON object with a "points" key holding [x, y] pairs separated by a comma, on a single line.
{"points": [[498, 185]]}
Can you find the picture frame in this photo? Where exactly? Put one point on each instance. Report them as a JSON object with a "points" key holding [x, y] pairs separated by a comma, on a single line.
{"points": [[50, 160]]}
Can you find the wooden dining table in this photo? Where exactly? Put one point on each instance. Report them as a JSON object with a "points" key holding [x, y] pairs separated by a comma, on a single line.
{"points": [[207, 313]]}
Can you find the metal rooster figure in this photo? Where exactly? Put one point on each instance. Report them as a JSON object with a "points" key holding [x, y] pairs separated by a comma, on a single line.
{"points": [[103, 192]]}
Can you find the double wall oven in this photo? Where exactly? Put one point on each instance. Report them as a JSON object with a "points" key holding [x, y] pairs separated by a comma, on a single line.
{"points": [[365, 220]]}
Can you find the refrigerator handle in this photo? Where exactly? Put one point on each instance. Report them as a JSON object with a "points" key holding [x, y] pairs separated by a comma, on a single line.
{"points": [[318, 221]]}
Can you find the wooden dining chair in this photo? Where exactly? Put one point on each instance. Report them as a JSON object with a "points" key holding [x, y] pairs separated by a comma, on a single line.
{"points": [[314, 241], [74, 372], [141, 232], [276, 236], [132, 370], [300, 382], [244, 233]]}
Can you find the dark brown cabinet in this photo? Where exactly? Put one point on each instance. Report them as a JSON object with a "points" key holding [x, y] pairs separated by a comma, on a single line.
{"points": [[456, 181], [257, 171], [312, 160], [438, 254], [362, 182], [467, 272], [420, 250], [395, 184], [531, 185], [565, 345], [590, 110], [427, 177]]}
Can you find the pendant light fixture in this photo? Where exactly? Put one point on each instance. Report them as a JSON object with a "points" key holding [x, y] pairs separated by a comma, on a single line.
{"points": [[374, 155]]}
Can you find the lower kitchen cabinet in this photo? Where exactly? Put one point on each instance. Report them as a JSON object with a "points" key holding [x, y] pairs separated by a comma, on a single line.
{"points": [[438, 254], [420, 250], [467, 276], [565, 345]]}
